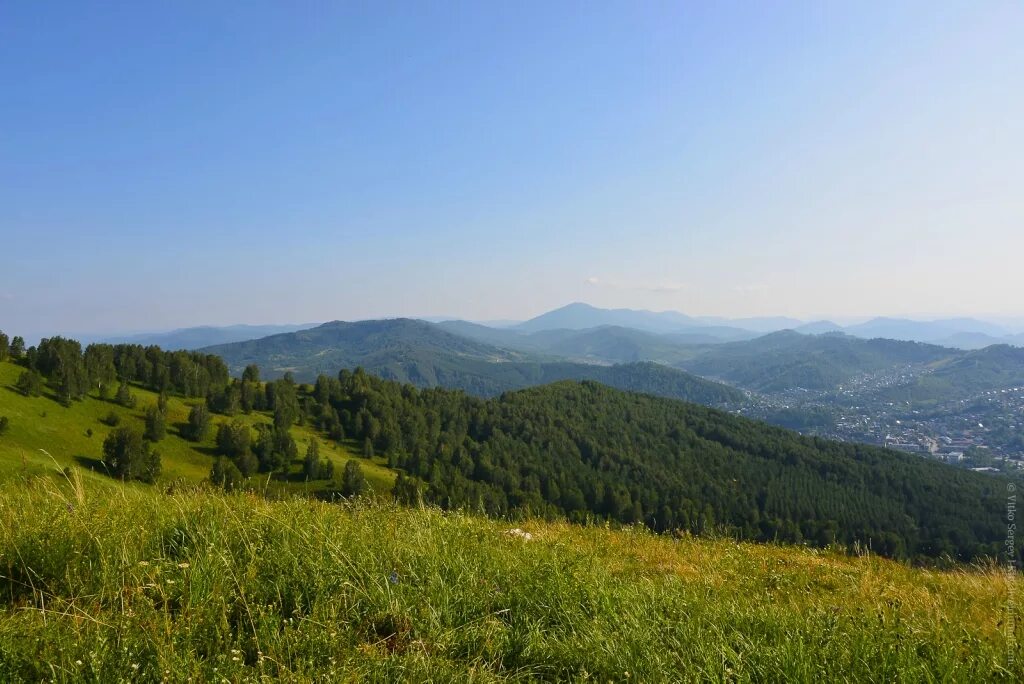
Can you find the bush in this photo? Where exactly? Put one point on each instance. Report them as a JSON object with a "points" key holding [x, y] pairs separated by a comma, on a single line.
{"points": [[5, 424], [113, 419]]}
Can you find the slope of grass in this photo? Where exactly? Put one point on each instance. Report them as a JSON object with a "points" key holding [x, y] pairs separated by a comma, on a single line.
{"points": [[40, 423], [110, 583]]}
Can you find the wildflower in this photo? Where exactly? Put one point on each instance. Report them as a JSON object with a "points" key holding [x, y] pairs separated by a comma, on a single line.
{"points": [[143, 563], [135, 666], [78, 662], [183, 566]]}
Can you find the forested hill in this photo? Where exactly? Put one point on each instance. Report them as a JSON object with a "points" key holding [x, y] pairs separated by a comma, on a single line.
{"points": [[971, 373], [582, 449], [786, 360], [425, 355]]}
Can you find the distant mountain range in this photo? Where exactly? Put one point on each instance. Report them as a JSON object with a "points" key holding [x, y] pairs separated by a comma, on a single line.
{"points": [[962, 333], [678, 328], [204, 336], [669, 354], [427, 355]]}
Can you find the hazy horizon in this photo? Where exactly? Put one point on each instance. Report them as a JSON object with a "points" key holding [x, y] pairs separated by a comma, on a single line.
{"points": [[167, 167], [1012, 325]]}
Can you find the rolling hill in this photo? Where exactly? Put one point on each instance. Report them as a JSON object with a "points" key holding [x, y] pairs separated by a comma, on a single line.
{"points": [[966, 375], [584, 449], [428, 355], [788, 360], [44, 434]]}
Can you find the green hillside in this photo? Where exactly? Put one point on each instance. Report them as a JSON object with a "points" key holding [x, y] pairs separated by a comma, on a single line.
{"points": [[41, 424], [788, 360], [584, 450], [426, 355], [967, 375], [142, 586]]}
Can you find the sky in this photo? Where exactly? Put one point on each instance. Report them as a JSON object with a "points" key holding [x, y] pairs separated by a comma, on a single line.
{"points": [[172, 164]]}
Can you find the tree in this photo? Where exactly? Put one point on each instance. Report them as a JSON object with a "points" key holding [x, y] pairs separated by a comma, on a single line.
{"points": [[251, 374], [198, 423], [247, 463], [311, 464], [233, 439], [275, 449], [353, 482], [17, 346], [99, 366], [5, 347], [225, 474], [156, 424], [315, 468], [124, 396], [129, 457], [286, 403], [367, 448], [30, 383], [60, 361]]}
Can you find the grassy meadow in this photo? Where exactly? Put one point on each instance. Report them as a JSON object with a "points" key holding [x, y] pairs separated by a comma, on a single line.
{"points": [[42, 432], [106, 583]]}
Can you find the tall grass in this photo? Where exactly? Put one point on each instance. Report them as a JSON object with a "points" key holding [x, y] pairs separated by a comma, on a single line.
{"points": [[105, 583]]}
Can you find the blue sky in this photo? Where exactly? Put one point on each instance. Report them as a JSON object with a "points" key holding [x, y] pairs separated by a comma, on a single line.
{"points": [[173, 164]]}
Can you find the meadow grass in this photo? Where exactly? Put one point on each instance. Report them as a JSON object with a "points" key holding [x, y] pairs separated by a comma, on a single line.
{"points": [[102, 582], [43, 432]]}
